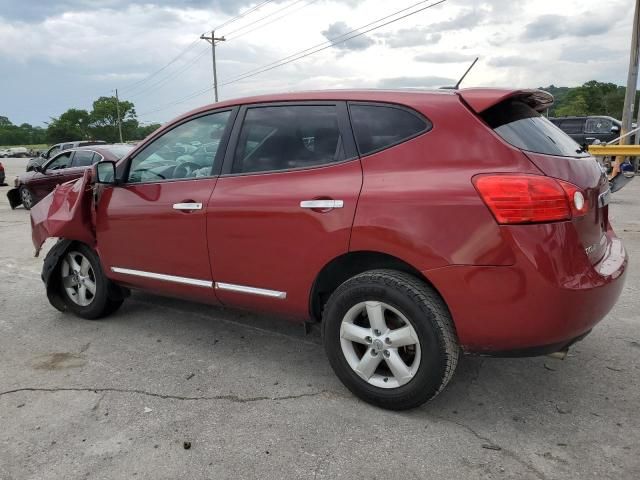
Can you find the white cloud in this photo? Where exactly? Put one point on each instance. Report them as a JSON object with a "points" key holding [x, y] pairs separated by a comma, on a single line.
{"points": [[67, 53]]}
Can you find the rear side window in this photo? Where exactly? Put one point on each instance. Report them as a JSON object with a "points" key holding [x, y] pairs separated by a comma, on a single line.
{"points": [[377, 127], [572, 126], [287, 137], [521, 126]]}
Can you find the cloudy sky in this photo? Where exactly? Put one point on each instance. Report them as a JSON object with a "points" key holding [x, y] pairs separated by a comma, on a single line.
{"points": [[59, 54]]}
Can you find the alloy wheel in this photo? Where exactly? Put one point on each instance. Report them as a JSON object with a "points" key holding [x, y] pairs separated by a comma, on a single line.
{"points": [[78, 278], [380, 344], [27, 198]]}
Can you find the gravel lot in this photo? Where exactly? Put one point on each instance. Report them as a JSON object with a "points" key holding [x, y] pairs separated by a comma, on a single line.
{"points": [[256, 398]]}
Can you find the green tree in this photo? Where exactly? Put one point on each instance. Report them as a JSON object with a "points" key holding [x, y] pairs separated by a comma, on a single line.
{"points": [[104, 119], [71, 125]]}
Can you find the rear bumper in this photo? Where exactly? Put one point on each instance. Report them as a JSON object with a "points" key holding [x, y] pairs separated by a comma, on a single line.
{"points": [[549, 298]]}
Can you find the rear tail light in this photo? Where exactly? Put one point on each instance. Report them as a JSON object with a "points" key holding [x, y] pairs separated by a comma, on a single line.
{"points": [[515, 199]]}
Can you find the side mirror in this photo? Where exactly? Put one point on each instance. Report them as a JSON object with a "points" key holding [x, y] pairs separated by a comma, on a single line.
{"points": [[615, 129], [38, 168], [105, 172]]}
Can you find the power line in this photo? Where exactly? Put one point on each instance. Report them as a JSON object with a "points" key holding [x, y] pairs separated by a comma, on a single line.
{"points": [[242, 15], [333, 41], [133, 86], [163, 81], [136, 84], [286, 7], [312, 50]]}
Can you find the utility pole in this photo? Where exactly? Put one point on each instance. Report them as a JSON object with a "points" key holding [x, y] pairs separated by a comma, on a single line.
{"points": [[118, 113], [632, 85], [212, 40]]}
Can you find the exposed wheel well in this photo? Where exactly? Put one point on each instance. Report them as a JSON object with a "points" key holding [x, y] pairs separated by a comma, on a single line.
{"points": [[342, 268]]}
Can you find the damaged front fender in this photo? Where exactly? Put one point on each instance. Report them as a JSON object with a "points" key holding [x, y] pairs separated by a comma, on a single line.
{"points": [[67, 212]]}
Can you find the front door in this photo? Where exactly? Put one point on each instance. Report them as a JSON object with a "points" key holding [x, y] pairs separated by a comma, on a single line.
{"points": [[284, 206], [54, 173], [151, 230]]}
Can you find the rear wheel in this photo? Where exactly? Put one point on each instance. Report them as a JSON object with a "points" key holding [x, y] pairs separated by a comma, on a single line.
{"points": [[390, 339], [84, 287], [27, 198]]}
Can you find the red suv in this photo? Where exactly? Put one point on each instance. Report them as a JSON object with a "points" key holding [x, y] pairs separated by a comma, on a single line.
{"points": [[415, 226]]}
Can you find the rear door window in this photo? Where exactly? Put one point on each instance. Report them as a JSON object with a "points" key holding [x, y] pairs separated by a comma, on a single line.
{"points": [[377, 126], [82, 158], [288, 137], [573, 126], [521, 126]]}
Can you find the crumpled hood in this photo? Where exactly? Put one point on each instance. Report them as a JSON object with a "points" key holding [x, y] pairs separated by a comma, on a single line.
{"points": [[67, 212]]}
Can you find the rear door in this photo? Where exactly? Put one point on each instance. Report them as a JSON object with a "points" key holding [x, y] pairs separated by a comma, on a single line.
{"points": [[285, 204]]}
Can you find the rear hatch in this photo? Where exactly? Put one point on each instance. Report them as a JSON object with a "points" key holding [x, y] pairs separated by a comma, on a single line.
{"points": [[515, 116]]}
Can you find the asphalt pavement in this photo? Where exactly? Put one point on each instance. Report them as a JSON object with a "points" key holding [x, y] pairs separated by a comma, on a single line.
{"points": [[167, 389]]}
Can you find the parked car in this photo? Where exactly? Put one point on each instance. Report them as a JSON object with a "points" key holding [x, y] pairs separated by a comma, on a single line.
{"points": [[57, 148], [586, 130], [16, 152], [2, 174], [366, 211], [33, 186]]}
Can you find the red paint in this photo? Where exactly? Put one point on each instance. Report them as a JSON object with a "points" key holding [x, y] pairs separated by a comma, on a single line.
{"points": [[507, 286]]}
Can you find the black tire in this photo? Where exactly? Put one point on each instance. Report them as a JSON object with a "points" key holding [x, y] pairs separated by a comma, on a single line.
{"points": [[427, 314], [102, 303], [27, 198]]}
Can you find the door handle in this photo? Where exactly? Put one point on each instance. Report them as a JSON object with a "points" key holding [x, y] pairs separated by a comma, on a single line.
{"points": [[322, 204], [187, 206]]}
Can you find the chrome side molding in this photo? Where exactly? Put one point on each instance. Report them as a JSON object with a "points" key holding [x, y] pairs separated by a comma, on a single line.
{"points": [[164, 277], [250, 290]]}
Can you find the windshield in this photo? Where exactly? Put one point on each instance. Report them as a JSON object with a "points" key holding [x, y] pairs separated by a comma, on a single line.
{"points": [[523, 127]]}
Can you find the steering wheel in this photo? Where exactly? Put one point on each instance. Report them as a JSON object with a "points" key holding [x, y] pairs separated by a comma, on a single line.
{"points": [[185, 169]]}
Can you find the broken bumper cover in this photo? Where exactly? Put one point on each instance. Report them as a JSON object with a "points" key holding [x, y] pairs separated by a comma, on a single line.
{"points": [[67, 212], [14, 198]]}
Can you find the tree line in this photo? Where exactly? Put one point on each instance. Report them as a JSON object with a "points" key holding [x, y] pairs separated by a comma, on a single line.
{"points": [[101, 123], [591, 98]]}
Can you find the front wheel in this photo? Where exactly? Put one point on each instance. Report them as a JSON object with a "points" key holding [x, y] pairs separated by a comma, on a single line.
{"points": [[83, 286], [390, 339], [27, 198]]}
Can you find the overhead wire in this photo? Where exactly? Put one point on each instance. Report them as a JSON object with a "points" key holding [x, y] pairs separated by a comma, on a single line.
{"points": [[357, 32]]}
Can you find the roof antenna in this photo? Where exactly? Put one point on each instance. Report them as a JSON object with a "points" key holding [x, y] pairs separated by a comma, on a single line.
{"points": [[457, 85]]}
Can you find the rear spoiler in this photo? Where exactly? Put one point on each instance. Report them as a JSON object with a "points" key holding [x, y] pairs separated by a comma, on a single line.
{"points": [[481, 99]]}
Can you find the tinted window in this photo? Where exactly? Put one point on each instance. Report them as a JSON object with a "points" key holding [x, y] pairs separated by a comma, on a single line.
{"points": [[281, 138], [523, 127], [572, 126], [187, 151], [598, 125], [377, 126], [82, 158], [61, 161], [67, 145]]}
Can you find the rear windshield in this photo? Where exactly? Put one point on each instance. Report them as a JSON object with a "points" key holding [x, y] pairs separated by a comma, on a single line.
{"points": [[521, 126]]}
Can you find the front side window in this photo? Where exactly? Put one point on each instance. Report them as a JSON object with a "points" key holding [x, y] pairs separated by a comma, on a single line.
{"points": [[61, 161], [521, 126], [187, 151], [598, 125], [286, 137], [83, 158], [377, 127]]}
